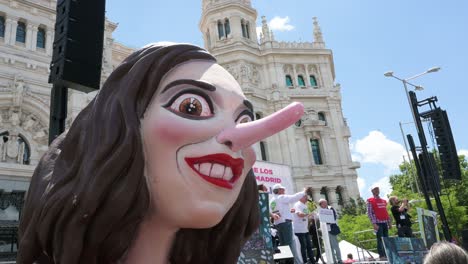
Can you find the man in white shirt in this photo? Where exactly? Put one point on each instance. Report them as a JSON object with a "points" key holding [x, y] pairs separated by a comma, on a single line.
{"points": [[280, 205], [301, 230]]}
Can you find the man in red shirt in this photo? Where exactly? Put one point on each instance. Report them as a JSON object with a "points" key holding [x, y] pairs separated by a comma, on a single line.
{"points": [[378, 215]]}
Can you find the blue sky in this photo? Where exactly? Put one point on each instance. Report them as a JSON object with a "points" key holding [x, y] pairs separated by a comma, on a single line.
{"points": [[368, 38]]}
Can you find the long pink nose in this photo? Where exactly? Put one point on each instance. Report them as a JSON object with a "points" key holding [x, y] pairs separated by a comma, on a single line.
{"points": [[244, 135]]}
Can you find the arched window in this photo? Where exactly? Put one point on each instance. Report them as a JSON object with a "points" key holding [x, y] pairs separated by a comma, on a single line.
{"points": [[220, 30], [339, 195], [40, 38], [244, 32], [27, 150], [321, 117], [289, 82], [324, 193], [314, 144], [24, 151], [245, 29], [227, 27], [263, 151], [313, 81], [21, 32], [300, 81], [2, 26]]}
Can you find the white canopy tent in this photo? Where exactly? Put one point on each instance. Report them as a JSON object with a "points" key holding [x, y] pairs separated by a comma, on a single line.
{"points": [[358, 253]]}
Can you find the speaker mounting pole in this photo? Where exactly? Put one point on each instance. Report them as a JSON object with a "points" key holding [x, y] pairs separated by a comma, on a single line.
{"points": [[430, 166], [77, 55], [58, 111]]}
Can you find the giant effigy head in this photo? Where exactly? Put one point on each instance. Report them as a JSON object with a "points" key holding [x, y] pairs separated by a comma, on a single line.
{"points": [[163, 153]]}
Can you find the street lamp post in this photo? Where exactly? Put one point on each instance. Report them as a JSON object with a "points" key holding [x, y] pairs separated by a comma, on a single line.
{"points": [[417, 88], [422, 140]]}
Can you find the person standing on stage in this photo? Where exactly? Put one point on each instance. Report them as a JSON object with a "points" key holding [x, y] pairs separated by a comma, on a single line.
{"points": [[300, 224], [333, 232], [401, 216], [378, 215], [280, 205]]}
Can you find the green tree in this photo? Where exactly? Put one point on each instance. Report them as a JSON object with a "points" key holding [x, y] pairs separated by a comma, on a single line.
{"points": [[453, 194], [355, 225], [357, 229], [354, 207]]}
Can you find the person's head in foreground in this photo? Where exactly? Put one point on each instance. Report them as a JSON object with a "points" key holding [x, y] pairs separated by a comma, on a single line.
{"points": [[168, 123], [446, 253]]}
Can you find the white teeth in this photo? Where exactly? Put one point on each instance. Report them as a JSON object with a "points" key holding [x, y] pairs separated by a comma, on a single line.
{"points": [[227, 174], [205, 168], [217, 171], [214, 170]]}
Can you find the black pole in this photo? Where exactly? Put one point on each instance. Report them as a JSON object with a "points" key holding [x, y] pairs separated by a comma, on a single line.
{"points": [[58, 111], [430, 166], [419, 171]]}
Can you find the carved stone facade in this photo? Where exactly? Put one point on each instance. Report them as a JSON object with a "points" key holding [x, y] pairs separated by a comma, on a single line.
{"points": [[25, 91], [262, 67]]}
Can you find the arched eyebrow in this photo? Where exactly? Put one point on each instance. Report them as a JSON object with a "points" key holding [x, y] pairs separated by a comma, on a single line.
{"points": [[249, 105], [202, 84]]}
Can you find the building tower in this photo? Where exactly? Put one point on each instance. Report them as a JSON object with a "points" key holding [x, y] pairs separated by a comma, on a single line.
{"points": [[273, 74], [228, 23]]}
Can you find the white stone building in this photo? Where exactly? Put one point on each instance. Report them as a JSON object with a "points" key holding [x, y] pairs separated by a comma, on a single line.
{"points": [[26, 37], [272, 74]]}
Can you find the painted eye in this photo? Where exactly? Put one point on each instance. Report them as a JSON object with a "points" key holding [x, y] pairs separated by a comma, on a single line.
{"points": [[244, 119], [191, 104]]}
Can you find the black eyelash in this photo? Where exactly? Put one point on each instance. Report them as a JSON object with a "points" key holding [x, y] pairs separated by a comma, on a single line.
{"points": [[193, 91], [245, 112]]}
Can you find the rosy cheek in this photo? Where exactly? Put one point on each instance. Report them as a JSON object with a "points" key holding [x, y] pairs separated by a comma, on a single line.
{"points": [[249, 156], [170, 131]]}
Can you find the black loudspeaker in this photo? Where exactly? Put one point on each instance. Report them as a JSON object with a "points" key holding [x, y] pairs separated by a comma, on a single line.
{"points": [[78, 44], [430, 174], [464, 243], [446, 145]]}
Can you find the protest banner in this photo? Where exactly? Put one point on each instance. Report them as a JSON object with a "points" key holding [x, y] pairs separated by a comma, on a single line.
{"points": [[269, 174], [326, 216]]}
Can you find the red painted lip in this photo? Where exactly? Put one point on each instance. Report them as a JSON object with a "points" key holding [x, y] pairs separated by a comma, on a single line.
{"points": [[236, 165]]}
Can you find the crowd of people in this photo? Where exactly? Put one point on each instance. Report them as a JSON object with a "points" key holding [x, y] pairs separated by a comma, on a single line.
{"points": [[291, 217], [298, 220]]}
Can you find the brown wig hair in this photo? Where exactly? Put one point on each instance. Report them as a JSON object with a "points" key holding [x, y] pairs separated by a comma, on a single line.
{"points": [[88, 194]]}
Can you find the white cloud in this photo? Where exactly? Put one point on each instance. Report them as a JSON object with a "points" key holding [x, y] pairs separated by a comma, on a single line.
{"points": [[463, 152], [361, 184], [378, 149], [280, 24]]}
